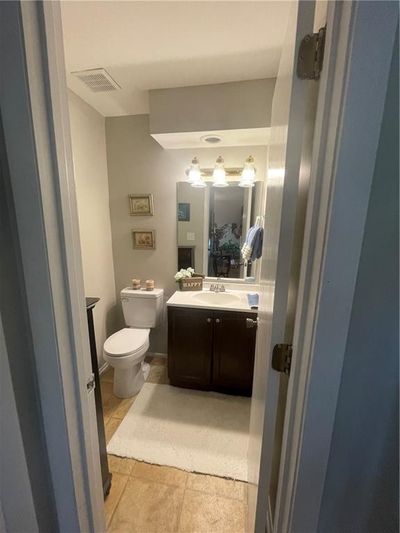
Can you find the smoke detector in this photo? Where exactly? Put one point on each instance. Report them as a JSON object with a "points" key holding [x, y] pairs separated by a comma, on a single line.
{"points": [[211, 139], [98, 80]]}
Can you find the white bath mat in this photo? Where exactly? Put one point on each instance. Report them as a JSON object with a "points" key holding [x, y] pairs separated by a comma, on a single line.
{"points": [[197, 431]]}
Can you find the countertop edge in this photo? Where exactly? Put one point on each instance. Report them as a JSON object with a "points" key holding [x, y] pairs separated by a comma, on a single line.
{"points": [[214, 308]]}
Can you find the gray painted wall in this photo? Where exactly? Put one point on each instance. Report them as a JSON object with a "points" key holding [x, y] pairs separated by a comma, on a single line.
{"points": [[88, 136], [138, 164], [361, 488], [223, 106]]}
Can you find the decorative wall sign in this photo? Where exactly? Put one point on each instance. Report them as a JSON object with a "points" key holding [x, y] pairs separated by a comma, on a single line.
{"points": [[141, 204], [183, 212], [144, 239]]}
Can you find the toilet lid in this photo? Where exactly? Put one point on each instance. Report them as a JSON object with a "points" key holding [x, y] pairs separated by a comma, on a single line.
{"points": [[126, 341]]}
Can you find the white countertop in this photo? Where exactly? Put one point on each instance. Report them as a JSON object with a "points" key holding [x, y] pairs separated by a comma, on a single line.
{"points": [[230, 300]]}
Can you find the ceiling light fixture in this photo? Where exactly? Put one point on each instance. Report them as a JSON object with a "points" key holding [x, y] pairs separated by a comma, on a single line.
{"points": [[211, 139], [248, 176], [219, 174]]}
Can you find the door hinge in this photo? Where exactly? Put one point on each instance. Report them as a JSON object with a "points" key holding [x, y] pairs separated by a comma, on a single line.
{"points": [[91, 384], [282, 358], [311, 55]]}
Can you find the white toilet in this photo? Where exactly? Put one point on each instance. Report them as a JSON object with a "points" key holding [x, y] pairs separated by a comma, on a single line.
{"points": [[125, 350]]}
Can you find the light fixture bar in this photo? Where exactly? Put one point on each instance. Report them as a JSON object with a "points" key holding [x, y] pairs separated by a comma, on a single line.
{"points": [[231, 172]]}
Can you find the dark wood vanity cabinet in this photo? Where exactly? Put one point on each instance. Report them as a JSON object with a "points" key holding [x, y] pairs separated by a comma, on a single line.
{"points": [[233, 352], [211, 350], [190, 333]]}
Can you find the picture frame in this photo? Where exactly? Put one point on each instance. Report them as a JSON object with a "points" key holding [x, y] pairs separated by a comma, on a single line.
{"points": [[144, 239], [183, 212], [141, 205]]}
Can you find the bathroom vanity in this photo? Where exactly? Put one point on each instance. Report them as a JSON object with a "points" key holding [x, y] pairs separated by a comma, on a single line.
{"points": [[211, 341]]}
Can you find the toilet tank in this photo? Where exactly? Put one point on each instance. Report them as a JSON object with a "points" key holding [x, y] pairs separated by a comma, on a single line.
{"points": [[141, 308]]}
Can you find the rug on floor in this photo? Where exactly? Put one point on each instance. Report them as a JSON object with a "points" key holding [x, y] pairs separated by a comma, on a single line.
{"points": [[197, 431]]}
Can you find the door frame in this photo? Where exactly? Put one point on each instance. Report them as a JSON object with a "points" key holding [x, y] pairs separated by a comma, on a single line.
{"points": [[333, 236], [312, 399], [35, 117]]}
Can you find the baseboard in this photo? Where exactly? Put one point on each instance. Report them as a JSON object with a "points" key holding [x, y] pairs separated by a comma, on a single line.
{"points": [[157, 354]]}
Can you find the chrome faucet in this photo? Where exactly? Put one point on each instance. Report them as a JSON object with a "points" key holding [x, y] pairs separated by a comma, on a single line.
{"points": [[217, 287]]}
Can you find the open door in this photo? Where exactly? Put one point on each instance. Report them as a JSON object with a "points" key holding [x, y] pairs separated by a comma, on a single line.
{"points": [[289, 155]]}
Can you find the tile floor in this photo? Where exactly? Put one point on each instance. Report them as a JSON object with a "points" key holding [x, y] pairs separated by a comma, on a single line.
{"points": [[146, 498]]}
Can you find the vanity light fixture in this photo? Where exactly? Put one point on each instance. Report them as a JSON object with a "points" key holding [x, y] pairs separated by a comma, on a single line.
{"points": [[248, 176], [219, 174]]}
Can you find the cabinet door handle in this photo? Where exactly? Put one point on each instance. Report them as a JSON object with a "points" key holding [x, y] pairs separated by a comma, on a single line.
{"points": [[209, 320], [217, 320]]}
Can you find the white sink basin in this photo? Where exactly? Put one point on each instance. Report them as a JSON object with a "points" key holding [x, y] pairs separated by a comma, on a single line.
{"points": [[216, 298]]}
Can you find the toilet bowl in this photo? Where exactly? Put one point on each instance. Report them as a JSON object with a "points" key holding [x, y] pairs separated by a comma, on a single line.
{"points": [[125, 351]]}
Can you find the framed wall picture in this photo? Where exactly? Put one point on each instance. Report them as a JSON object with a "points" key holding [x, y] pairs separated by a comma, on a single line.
{"points": [[141, 204], [144, 239], [183, 212]]}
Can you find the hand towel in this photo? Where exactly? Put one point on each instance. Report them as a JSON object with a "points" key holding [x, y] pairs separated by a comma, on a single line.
{"points": [[257, 244], [252, 246]]}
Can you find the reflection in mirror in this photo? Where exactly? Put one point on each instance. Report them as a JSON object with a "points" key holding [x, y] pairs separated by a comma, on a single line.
{"points": [[212, 226]]}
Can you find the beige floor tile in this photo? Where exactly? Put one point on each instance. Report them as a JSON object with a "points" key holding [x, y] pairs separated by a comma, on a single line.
{"points": [[108, 375], [111, 427], [227, 488], [204, 513], [121, 465], [106, 389], [110, 404], [147, 507], [124, 405], [118, 484], [158, 374], [156, 360], [160, 474]]}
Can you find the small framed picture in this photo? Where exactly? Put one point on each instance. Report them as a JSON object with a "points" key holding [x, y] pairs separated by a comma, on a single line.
{"points": [[183, 212], [141, 204], [144, 239]]}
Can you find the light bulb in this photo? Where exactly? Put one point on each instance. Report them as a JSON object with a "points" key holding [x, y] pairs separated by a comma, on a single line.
{"points": [[248, 173], [219, 174], [194, 173]]}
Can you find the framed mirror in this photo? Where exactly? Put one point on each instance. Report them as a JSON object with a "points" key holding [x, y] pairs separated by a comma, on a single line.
{"points": [[212, 226]]}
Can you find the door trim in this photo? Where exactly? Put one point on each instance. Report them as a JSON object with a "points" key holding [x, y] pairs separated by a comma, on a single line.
{"points": [[333, 236]]}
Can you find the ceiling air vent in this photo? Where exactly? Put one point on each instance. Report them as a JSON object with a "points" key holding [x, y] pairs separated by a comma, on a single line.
{"points": [[97, 79]]}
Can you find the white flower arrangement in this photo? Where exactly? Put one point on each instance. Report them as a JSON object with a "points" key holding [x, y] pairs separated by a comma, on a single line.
{"points": [[184, 273]]}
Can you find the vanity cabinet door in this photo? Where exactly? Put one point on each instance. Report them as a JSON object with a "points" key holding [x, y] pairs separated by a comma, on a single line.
{"points": [[190, 333], [234, 347]]}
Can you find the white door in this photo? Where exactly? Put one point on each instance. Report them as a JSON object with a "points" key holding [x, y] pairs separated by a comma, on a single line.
{"points": [[293, 111]]}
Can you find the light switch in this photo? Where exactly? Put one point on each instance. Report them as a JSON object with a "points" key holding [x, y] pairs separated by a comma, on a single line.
{"points": [[190, 236]]}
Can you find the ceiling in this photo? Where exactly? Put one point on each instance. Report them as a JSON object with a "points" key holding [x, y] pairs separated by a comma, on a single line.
{"points": [[153, 45]]}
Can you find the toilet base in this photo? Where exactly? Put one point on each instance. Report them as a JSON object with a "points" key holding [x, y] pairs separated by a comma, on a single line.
{"points": [[129, 381]]}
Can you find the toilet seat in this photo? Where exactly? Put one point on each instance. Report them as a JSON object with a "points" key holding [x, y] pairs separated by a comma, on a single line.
{"points": [[127, 342]]}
